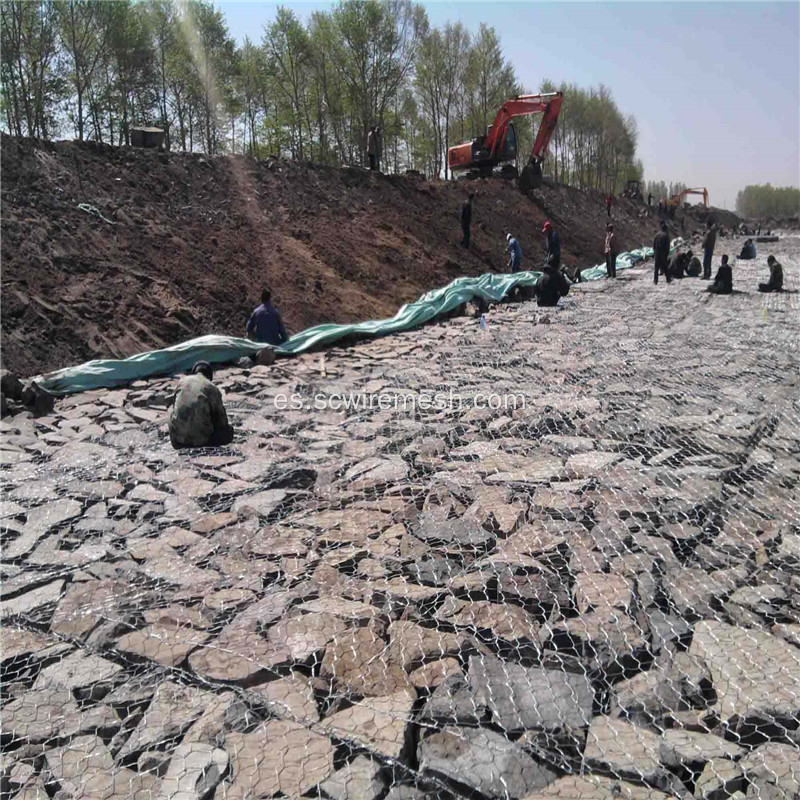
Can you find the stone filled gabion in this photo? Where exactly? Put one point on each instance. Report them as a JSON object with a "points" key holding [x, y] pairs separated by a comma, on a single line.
{"points": [[588, 592]]}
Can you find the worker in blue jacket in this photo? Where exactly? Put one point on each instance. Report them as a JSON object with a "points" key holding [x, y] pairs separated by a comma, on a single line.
{"points": [[514, 254]]}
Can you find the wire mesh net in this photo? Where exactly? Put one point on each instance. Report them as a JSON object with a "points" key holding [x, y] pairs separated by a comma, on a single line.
{"points": [[572, 571]]}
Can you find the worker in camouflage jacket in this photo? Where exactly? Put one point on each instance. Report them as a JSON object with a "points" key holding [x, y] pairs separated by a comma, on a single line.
{"points": [[198, 417]]}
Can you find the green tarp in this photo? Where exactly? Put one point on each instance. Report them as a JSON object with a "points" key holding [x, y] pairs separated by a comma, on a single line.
{"points": [[215, 349]]}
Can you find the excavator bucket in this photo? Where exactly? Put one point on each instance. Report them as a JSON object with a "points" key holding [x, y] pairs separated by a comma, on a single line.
{"points": [[531, 177]]}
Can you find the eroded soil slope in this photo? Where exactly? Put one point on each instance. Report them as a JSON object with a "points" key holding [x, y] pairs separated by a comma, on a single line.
{"points": [[194, 238]]}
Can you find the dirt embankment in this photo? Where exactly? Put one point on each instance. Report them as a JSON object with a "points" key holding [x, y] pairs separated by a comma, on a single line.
{"points": [[195, 238]]}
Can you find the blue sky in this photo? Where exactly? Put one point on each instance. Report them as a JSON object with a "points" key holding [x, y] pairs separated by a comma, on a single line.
{"points": [[714, 87]]}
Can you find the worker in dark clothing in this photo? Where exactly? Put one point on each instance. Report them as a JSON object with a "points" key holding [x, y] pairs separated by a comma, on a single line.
{"points": [[775, 283], [693, 268], [373, 147], [708, 249], [466, 220], [723, 280], [609, 201], [553, 258], [677, 264], [514, 254], [650, 199], [265, 323], [198, 417], [611, 252], [551, 286], [661, 254], [748, 250]]}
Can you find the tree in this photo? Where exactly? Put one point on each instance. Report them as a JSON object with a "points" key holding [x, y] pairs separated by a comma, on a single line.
{"points": [[287, 50], [374, 54], [757, 200]]}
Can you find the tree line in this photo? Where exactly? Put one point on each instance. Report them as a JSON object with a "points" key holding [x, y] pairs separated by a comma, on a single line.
{"points": [[309, 91], [757, 200]]}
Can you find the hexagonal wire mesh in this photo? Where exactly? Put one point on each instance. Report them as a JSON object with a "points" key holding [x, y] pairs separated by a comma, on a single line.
{"points": [[587, 592]]}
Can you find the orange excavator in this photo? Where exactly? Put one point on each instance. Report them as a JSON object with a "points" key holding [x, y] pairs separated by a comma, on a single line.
{"points": [[499, 146], [677, 199]]}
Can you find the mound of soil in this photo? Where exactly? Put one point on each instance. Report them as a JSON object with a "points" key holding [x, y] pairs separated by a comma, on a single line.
{"points": [[174, 246]]}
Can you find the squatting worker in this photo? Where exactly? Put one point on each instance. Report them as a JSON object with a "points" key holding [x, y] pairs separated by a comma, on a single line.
{"points": [[514, 254], [198, 417], [466, 219], [775, 283], [551, 286], [611, 252], [661, 254], [708, 249], [553, 258], [723, 280], [265, 323]]}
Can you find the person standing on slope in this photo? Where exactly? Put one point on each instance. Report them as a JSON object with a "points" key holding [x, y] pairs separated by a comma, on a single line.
{"points": [[553, 258], [466, 220], [661, 254], [514, 254], [611, 252]]}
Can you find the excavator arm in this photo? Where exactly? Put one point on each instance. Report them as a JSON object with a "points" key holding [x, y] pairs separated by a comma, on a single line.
{"points": [[486, 152], [677, 199]]}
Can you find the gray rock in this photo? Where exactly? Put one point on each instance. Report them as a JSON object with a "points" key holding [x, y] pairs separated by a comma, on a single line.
{"points": [[359, 780], [693, 750], [194, 771], [459, 532], [773, 771], [280, 756], [378, 723], [483, 760], [520, 698], [721, 779], [627, 752], [453, 702], [173, 709], [596, 787], [755, 675]]}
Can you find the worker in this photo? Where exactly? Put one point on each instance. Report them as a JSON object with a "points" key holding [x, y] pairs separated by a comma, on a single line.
{"points": [[553, 258], [609, 201], [265, 323], [677, 265], [708, 249], [650, 199], [466, 219], [379, 146], [723, 280], [611, 252], [198, 417], [514, 254], [551, 286], [373, 147], [775, 283], [748, 250], [661, 254], [694, 268]]}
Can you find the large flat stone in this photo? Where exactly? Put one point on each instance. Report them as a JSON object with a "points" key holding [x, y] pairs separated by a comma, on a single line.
{"points": [[377, 723], [483, 760], [358, 662], [194, 770], [596, 787], [280, 756], [627, 752], [173, 709], [754, 673], [530, 697]]}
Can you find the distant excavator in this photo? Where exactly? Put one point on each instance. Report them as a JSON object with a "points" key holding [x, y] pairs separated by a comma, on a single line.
{"points": [[499, 146], [677, 199]]}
